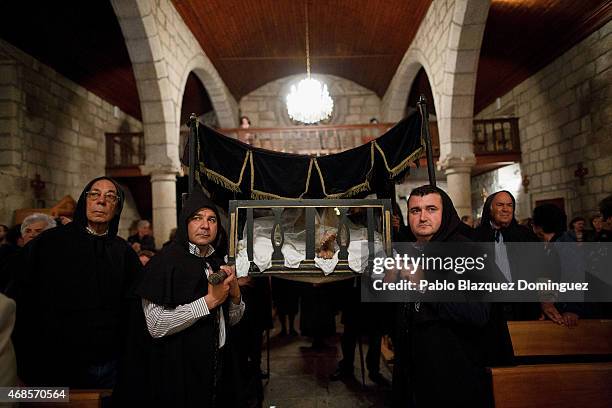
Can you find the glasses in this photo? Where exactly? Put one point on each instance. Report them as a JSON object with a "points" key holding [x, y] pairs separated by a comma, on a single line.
{"points": [[109, 196]]}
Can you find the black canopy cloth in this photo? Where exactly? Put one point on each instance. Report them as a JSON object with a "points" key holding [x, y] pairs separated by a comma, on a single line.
{"points": [[227, 165]]}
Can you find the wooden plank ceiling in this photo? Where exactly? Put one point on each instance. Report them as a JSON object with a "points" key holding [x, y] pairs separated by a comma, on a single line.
{"points": [[252, 42], [523, 36], [83, 42]]}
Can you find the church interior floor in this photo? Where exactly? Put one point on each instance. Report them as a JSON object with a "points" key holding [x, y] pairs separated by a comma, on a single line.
{"points": [[299, 376]]}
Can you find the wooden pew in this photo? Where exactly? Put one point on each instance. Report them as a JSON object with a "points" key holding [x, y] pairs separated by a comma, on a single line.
{"points": [[544, 338], [553, 385], [565, 384]]}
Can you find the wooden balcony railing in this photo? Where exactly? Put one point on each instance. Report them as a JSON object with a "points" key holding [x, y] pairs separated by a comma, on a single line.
{"points": [[125, 152], [494, 136], [316, 140], [493, 139]]}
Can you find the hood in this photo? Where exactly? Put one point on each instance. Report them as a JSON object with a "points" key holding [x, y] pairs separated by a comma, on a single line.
{"points": [[195, 202], [80, 213], [486, 209], [450, 220]]}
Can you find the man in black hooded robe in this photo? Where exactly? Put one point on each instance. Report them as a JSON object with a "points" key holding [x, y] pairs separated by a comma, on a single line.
{"points": [[499, 226], [439, 355], [70, 294], [190, 362]]}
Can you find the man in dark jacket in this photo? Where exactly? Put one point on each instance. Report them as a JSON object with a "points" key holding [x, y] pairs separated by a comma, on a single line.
{"points": [[499, 226], [70, 294], [440, 360], [187, 358]]}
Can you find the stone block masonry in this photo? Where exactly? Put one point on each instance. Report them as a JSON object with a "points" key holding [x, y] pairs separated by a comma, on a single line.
{"points": [[49, 126], [565, 118]]}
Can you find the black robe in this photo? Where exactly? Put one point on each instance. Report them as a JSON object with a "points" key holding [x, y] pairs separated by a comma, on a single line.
{"points": [[184, 369], [439, 353], [521, 264], [70, 295]]}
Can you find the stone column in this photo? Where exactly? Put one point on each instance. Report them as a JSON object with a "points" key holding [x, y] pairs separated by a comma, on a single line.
{"points": [[459, 181], [163, 185]]}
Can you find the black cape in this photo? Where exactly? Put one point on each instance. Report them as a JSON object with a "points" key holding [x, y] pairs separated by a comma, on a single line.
{"points": [[70, 296], [521, 263], [439, 353], [185, 369]]}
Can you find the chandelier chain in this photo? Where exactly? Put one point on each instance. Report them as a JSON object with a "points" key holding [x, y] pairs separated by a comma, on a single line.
{"points": [[309, 100], [307, 41]]}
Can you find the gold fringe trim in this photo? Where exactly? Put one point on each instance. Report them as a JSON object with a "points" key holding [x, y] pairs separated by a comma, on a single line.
{"points": [[262, 195], [224, 181], [221, 180], [312, 159], [316, 163], [403, 164], [353, 191]]}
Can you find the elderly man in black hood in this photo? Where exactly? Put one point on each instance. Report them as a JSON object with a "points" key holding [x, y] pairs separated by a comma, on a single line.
{"points": [[189, 319], [440, 358], [499, 226], [70, 295]]}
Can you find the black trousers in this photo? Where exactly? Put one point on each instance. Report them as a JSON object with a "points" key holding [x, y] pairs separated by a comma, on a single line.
{"points": [[348, 341]]}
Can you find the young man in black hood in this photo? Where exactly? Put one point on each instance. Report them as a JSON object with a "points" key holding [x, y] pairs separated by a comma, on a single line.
{"points": [[70, 294], [190, 362], [440, 353]]}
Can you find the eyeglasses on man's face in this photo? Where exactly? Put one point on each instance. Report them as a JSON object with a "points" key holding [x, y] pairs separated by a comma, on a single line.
{"points": [[109, 196]]}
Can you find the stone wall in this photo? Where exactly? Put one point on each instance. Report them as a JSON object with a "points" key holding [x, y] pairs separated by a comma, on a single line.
{"points": [[353, 104], [49, 126], [565, 118]]}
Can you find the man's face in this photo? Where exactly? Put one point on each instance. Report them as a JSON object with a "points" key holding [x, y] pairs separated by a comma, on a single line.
{"points": [[101, 202], [145, 230], [425, 215], [33, 230], [598, 223], [579, 226], [502, 209], [202, 227]]}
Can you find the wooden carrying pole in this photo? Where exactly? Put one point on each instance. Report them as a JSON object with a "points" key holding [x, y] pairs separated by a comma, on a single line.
{"points": [[422, 107], [193, 154]]}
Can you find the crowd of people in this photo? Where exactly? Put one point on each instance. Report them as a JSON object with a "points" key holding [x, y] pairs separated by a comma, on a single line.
{"points": [[88, 309]]}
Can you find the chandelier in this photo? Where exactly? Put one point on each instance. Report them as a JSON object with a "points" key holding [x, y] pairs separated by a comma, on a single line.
{"points": [[309, 101]]}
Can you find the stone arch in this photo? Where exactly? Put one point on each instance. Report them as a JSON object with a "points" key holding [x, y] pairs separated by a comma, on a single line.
{"points": [[447, 45], [221, 98], [159, 119], [395, 99], [459, 79]]}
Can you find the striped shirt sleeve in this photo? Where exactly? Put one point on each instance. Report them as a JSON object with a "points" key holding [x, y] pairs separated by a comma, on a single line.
{"points": [[163, 321], [236, 312]]}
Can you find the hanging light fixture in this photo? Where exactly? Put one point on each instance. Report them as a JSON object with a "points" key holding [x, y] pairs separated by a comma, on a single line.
{"points": [[309, 101]]}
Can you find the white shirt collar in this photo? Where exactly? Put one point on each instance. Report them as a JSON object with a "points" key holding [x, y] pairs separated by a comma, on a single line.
{"points": [[92, 232], [195, 250]]}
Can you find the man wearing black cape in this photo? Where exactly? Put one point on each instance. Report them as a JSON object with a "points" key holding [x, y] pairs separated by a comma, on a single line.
{"points": [[499, 226], [70, 294], [189, 362], [440, 360]]}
